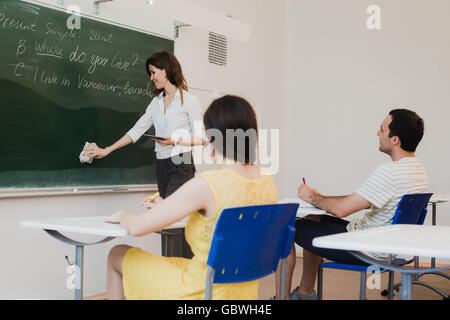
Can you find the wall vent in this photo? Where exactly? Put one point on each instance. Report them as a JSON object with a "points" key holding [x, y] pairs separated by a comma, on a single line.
{"points": [[217, 49]]}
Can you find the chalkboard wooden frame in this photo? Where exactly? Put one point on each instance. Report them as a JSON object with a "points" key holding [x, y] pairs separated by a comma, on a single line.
{"points": [[74, 191]]}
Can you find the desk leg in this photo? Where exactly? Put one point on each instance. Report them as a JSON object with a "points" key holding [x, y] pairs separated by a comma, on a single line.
{"points": [[406, 286], [79, 258], [416, 266], [79, 262], [172, 244], [433, 222], [166, 245]]}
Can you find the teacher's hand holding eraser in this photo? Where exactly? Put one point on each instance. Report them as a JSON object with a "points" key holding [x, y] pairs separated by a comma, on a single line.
{"points": [[97, 153], [84, 155]]}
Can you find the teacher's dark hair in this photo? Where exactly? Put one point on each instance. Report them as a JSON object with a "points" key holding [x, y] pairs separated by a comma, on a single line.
{"points": [[166, 60], [231, 127], [408, 127]]}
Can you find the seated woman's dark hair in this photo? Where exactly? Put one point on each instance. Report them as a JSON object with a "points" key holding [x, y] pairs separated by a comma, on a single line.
{"points": [[231, 127]]}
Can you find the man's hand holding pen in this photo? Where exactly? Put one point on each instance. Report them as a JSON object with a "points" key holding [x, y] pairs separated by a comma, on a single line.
{"points": [[306, 193]]}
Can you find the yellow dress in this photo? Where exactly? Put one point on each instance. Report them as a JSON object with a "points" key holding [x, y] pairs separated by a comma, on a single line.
{"points": [[149, 276]]}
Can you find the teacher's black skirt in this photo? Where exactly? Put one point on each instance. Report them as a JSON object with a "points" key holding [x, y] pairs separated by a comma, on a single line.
{"points": [[170, 175]]}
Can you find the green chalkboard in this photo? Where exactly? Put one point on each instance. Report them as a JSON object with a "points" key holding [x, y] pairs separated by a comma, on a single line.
{"points": [[60, 88]]}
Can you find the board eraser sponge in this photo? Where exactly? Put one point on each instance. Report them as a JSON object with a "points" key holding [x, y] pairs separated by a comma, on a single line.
{"points": [[84, 157]]}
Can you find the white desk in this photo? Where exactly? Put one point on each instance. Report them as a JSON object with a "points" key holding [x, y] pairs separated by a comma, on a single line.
{"points": [[413, 240], [305, 208], [97, 226], [87, 225], [92, 226]]}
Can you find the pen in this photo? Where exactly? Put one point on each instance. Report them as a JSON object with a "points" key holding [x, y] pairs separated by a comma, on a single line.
{"points": [[304, 182]]}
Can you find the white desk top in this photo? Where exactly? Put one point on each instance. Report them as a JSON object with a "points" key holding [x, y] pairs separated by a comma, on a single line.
{"points": [[414, 240], [97, 226], [439, 198], [304, 207], [87, 225]]}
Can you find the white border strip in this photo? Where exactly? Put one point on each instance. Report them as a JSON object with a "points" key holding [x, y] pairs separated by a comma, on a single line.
{"points": [[66, 191], [97, 18]]}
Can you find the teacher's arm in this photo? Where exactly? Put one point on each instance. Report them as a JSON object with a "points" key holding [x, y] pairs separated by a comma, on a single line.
{"points": [[191, 141], [340, 207], [134, 134], [98, 153], [195, 195]]}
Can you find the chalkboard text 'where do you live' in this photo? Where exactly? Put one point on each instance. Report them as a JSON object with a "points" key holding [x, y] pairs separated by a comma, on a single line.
{"points": [[61, 44]]}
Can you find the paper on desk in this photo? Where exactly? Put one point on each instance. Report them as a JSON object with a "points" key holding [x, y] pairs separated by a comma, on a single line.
{"points": [[302, 204]]}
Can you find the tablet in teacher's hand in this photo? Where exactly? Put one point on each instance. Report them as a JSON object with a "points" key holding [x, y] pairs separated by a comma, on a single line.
{"points": [[154, 137]]}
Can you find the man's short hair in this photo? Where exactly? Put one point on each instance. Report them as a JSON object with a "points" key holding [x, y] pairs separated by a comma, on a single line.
{"points": [[408, 126]]}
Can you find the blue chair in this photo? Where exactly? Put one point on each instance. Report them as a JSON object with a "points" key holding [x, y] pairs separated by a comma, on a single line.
{"points": [[248, 243], [412, 209]]}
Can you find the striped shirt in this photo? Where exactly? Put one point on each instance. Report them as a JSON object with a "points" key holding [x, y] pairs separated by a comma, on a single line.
{"points": [[384, 189]]}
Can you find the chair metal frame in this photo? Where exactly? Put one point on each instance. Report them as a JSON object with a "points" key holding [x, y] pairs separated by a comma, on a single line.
{"points": [[402, 216], [416, 276]]}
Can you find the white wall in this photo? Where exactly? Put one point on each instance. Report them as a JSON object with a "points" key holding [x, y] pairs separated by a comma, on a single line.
{"points": [[342, 80], [135, 13], [255, 69], [34, 265]]}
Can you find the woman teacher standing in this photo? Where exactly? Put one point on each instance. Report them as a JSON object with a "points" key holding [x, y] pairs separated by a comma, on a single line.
{"points": [[173, 111]]}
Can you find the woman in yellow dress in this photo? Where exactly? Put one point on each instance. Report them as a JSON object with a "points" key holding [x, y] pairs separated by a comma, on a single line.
{"points": [[133, 273]]}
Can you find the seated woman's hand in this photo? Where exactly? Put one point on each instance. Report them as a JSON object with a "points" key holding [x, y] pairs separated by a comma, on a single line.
{"points": [[150, 201], [114, 218]]}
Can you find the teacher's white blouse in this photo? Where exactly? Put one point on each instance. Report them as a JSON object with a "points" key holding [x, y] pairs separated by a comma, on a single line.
{"points": [[178, 121]]}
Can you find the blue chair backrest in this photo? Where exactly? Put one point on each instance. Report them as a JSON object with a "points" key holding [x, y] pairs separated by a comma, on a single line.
{"points": [[412, 209], [249, 241]]}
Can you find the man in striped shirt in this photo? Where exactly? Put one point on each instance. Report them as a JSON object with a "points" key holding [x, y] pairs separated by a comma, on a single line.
{"points": [[399, 135]]}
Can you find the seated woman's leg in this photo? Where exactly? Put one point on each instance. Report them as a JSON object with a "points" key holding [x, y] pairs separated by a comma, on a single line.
{"points": [[291, 259], [290, 270], [114, 286]]}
